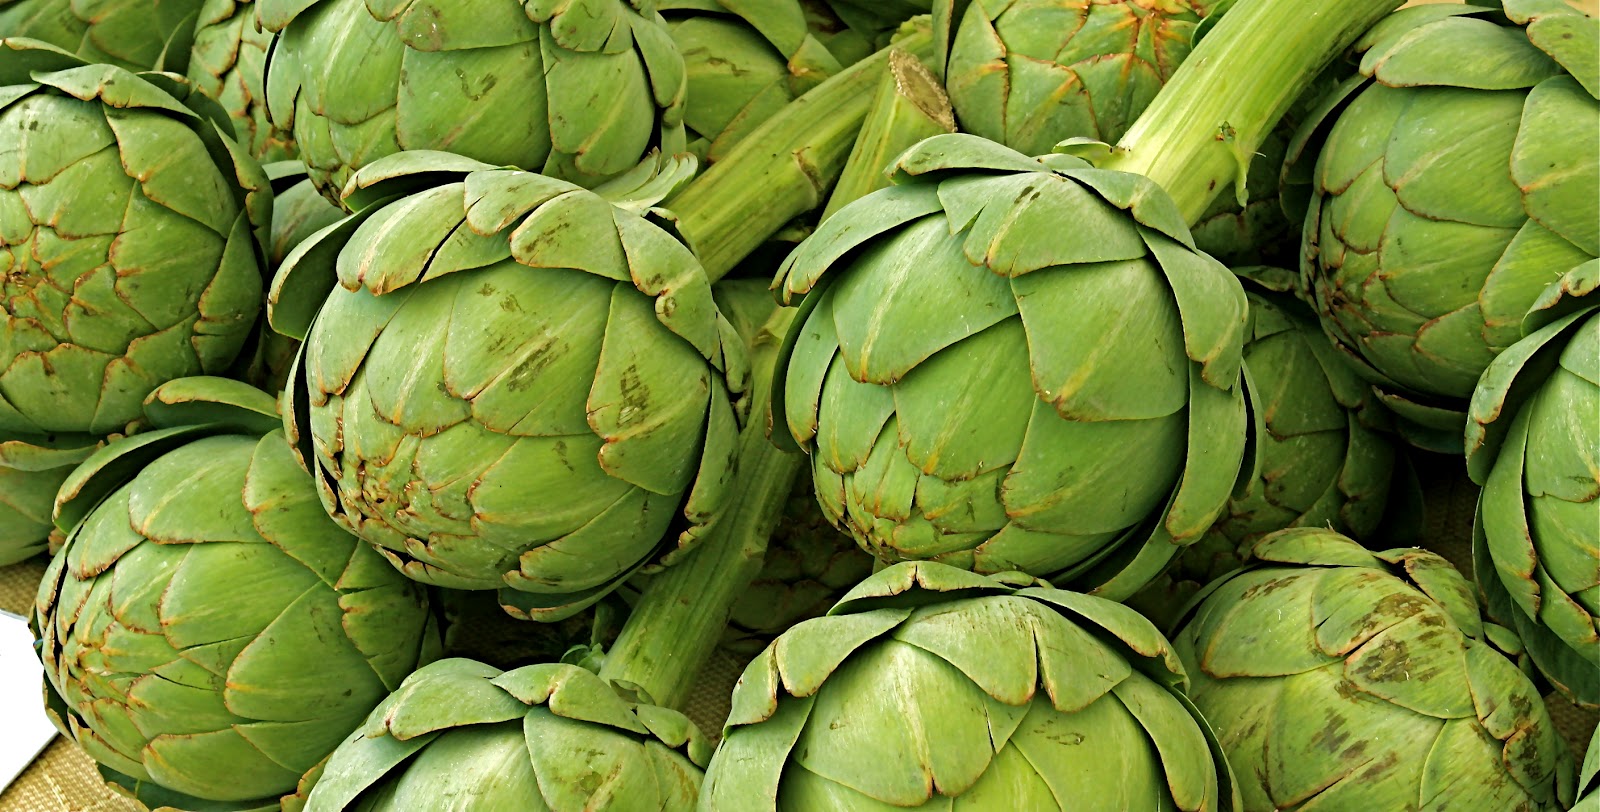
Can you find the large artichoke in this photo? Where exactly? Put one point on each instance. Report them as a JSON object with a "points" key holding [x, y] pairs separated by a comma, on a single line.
{"points": [[510, 383], [1340, 678], [1533, 443], [128, 240], [1031, 73], [137, 36], [1448, 193], [579, 91], [931, 687], [746, 59], [979, 387], [228, 64], [208, 634], [459, 734], [32, 468]]}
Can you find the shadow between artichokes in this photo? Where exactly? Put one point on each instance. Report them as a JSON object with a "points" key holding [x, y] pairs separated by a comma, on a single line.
{"points": [[1340, 678], [929, 686], [130, 240], [508, 382], [208, 634]]}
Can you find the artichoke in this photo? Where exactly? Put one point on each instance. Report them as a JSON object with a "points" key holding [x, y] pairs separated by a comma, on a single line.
{"points": [[1340, 678], [579, 91], [1533, 443], [978, 387], [459, 734], [1589, 777], [744, 61], [228, 64], [509, 383], [128, 240], [1031, 73], [931, 687], [32, 468], [137, 36], [208, 634], [1447, 194]]}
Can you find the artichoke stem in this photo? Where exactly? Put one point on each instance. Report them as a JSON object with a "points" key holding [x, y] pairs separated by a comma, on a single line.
{"points": [[678, 622], [910, 105], [1205, 125], [786, 167]]}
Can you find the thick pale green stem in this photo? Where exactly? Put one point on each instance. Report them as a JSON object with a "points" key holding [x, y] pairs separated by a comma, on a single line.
{"points": [[910, 105], [1198, 135], [674, 628], [785, 167]]}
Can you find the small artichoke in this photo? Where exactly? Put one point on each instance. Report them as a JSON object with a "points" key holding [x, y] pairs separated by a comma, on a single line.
{"points": [[228, 64], [1448, 194], [507, 382], [144, 35], [980, 387], [129, 228], [208, 634], [1340, 678], [32, 468], [1533, 444], [459, 734], [931, 687], [579, 91]]}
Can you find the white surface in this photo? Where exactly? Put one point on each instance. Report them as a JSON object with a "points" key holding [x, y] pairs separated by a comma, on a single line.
{"points": [[24, 729]]}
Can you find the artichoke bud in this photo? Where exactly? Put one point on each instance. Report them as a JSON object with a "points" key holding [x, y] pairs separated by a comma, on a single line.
{"points": [[130, 230], [929, 685], [1446, 195], [507, 382], [576, 91], [979, 387], [461, 734], [1532, 444], [208, 633], [228, 64], [1350, 679]]}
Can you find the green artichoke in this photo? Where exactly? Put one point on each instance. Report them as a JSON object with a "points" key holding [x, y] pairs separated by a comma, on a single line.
{"points": [[978, 387], [459, 734], [1340, 678], [1589, 777], [1032, 73], [1448, 193], [575, 90], [128, 240], [931, 687], [32, 468], [1533, 443], [208, 634], [133, 35], [746, 59], [228, 64], [510, 383], [808, 566]]}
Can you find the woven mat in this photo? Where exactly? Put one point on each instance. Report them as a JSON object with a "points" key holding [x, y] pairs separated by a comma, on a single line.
{"points": [[65, 780]]}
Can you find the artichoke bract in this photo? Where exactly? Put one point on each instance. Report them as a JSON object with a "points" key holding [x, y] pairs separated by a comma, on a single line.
{"points": [[459, 734], [1447, 194], [137, 36], [32, 468], [1340, 678], [228, 64], [928, 686], [978, 386], [129, 228], [208, 634], [1589, 777], [580, 91], [1032, 73], [510, 383], [1533, 444], [746, 59]]}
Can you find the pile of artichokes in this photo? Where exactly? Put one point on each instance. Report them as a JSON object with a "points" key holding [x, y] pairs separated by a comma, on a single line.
{"points": [[1045, 403]]}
